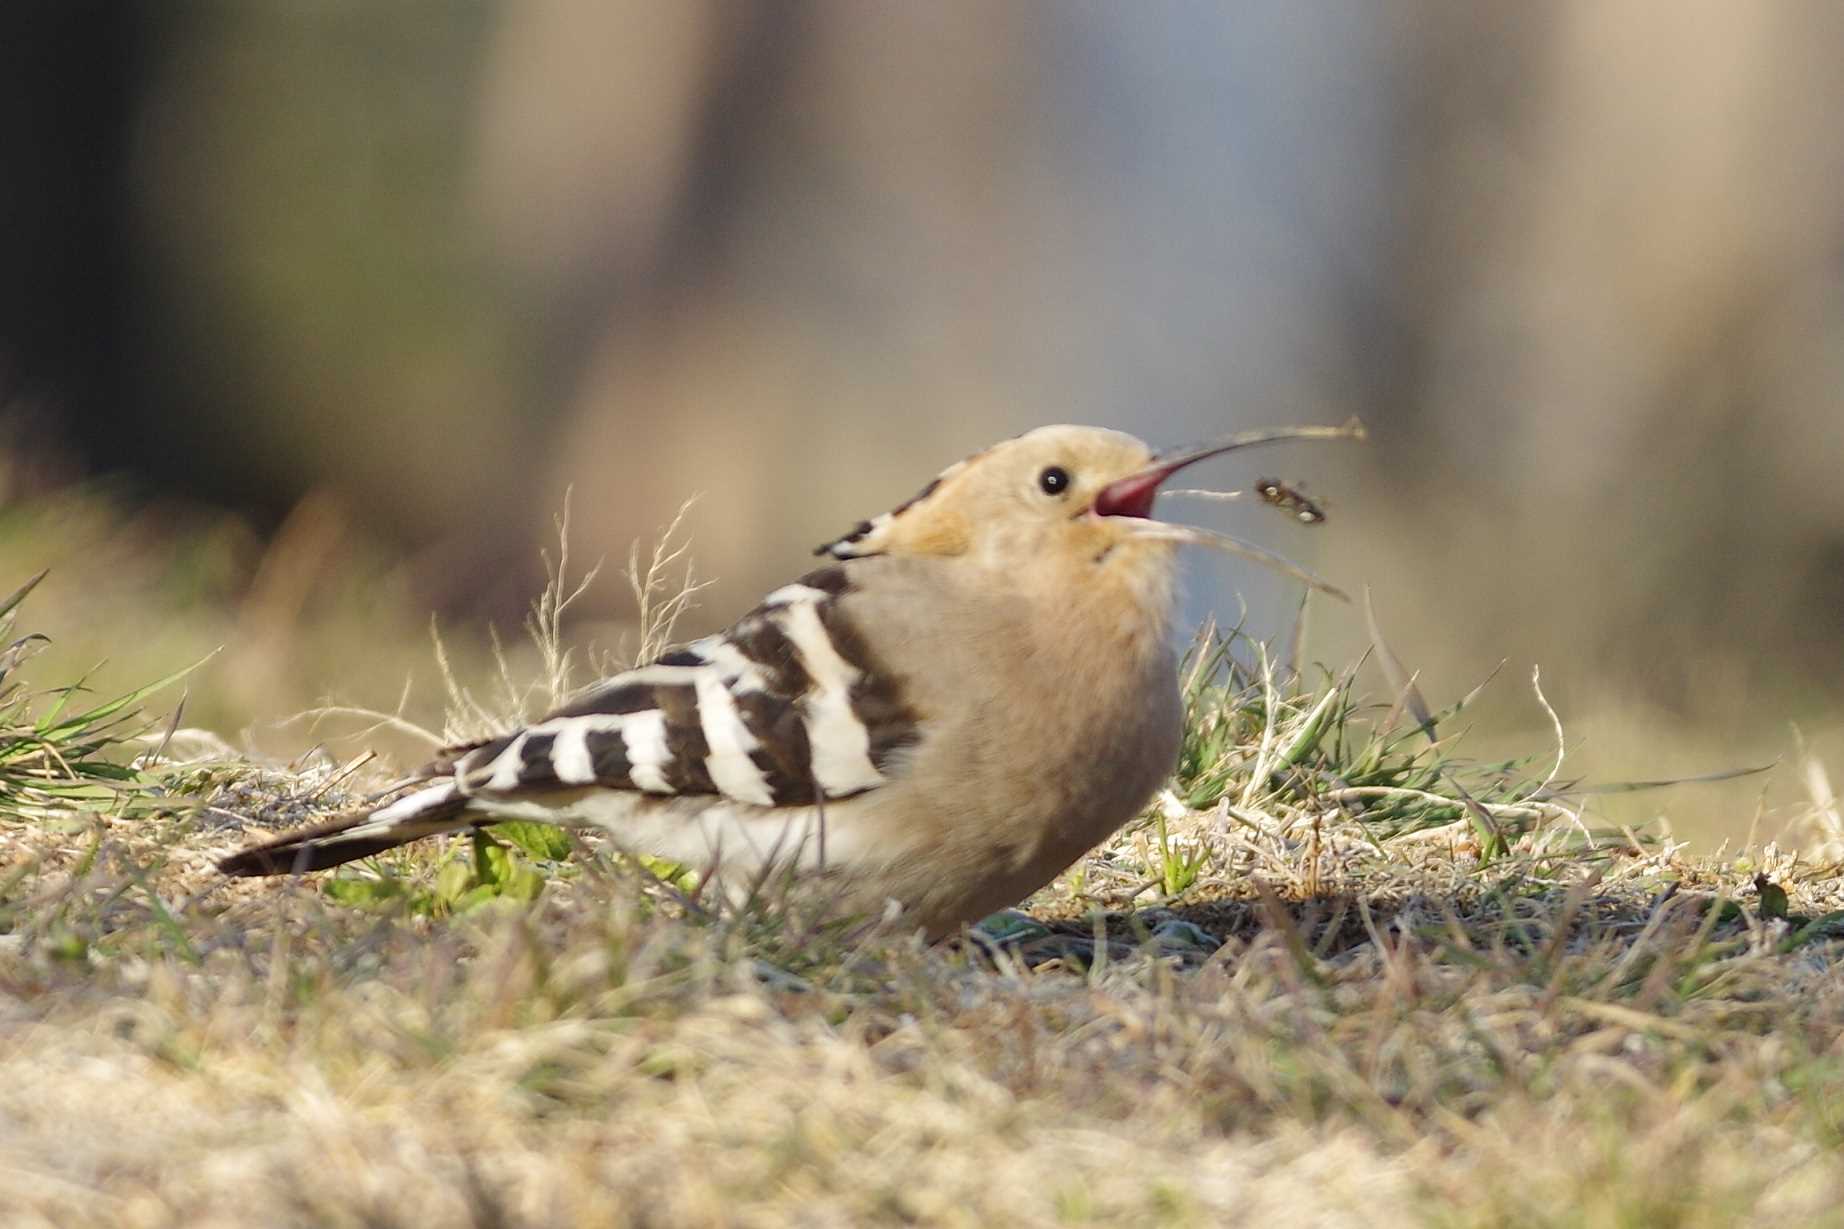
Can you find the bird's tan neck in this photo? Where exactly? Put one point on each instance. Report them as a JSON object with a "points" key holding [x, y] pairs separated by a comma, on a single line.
{"points": [[1119, 608]]}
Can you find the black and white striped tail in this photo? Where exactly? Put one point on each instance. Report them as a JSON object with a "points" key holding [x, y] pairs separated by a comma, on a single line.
{"points": [[427, 812]]}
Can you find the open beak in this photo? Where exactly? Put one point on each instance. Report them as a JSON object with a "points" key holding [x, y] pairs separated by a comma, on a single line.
{"points": [[1134, 495]]}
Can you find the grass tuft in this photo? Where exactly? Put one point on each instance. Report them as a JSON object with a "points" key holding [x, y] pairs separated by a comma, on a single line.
{"points": [[1259, 737], [59, 751]]}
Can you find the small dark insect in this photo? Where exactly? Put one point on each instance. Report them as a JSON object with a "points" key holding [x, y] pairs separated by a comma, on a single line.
{"points": [[1289, 499]]}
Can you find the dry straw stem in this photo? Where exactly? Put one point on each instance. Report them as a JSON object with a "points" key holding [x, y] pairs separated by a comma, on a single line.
{"points": [[1221, 497], [1229, 545], [663, 589]]}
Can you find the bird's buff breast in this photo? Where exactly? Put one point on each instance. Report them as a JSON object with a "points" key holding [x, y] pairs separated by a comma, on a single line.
{"points": [[1046, 714], [1057, 753]]}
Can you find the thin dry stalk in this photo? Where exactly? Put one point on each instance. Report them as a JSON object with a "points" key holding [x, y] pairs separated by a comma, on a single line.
{"points": [[661, 598]]}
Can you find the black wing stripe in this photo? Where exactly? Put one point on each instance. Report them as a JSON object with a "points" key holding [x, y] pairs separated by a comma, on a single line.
{"points": [[877, 702], [481, 754], [535, 766], [765, 644], [831, 580], [608, 757], [684, 769], [783, 756], [611, 699]]}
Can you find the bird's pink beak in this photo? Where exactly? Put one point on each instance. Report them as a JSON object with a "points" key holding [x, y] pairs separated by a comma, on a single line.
{"points": [[1135, 494]]}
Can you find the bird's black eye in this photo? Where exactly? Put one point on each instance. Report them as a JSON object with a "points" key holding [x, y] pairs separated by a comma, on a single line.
{"points": [[1054, 481]]}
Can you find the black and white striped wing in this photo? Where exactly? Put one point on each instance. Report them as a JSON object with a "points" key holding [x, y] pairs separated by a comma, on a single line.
{"points": [[786, 707]]}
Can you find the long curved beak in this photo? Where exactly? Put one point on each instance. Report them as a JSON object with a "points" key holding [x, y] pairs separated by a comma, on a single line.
{"points": [[1134, 495]]}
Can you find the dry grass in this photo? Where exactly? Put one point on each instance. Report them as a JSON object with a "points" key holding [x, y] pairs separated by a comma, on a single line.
{"points": [[1306, 988], [1417, 1039]]}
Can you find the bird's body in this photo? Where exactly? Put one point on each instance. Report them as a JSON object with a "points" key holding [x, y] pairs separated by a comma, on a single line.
{"points": [[976, 689]]}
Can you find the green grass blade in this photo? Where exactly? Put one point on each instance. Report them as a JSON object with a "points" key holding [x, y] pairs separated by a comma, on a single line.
{"points": [[11, 601]]}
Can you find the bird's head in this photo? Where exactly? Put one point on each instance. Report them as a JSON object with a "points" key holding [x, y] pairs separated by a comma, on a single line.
{"points": [[1076, 501], [1017, 499]]}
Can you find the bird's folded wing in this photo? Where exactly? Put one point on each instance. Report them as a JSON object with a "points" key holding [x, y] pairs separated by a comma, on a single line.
{"points": [[788, 706]]}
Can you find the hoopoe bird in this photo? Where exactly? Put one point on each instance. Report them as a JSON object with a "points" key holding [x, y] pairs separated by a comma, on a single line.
{"points": [[975, 690]]}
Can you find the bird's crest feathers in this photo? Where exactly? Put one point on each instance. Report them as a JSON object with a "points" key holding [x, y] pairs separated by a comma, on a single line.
{"points": [[876, 536]]}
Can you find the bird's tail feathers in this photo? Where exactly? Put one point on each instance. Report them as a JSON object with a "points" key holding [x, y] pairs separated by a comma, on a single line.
{"points": [[346, 838]]}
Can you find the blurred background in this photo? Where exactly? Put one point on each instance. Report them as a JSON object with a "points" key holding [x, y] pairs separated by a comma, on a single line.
{"points": [[310, 315]]}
